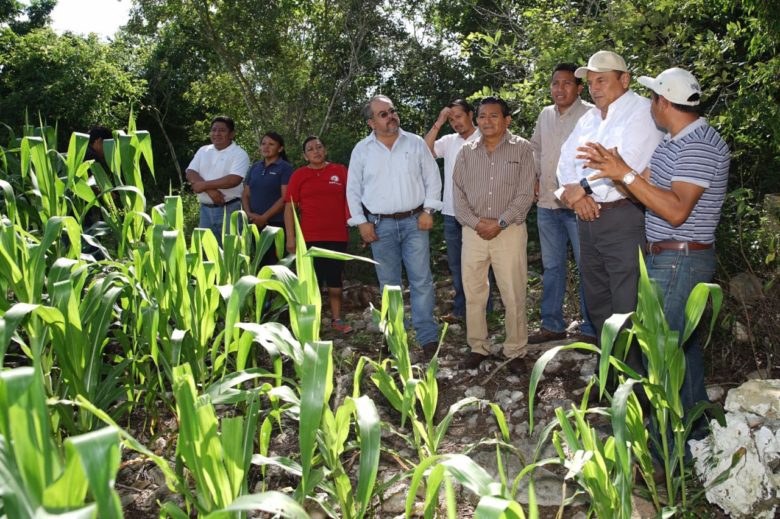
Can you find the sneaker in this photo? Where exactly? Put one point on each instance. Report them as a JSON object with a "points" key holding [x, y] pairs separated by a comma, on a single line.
{"points": [[545, 335], [472, 361], [429, 350], [340, 326]]}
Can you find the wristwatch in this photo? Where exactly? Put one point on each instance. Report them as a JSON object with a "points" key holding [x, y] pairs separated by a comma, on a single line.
{"points": [[586, 186], [629, 177], [428, 210], [502, 223]]}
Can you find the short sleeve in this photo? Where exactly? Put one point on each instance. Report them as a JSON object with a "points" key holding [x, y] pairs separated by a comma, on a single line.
{"points": [[293, 193], [287, 171], [440, 147], [696, 163]]}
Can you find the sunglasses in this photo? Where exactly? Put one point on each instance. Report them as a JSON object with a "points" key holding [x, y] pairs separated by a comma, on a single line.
{"points": [[384, 114]]}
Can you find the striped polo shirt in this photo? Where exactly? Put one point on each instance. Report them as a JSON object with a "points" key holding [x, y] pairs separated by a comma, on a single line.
{"points": [[700, 156]]}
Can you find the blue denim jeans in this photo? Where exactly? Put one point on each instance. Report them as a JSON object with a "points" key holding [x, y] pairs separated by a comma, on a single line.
{"points": [[402, 243], [558, 227], [213, 217], [676, 273], [453, 237]]}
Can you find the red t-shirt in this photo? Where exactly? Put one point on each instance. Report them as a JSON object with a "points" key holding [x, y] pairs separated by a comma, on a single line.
{"points": [[321, 198]]}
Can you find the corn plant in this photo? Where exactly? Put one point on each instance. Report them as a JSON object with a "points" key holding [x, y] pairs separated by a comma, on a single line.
{"points": [[604, 468], [35, 478]]}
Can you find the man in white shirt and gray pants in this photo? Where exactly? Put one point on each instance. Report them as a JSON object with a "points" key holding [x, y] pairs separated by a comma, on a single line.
{"points": [[611, 226]]}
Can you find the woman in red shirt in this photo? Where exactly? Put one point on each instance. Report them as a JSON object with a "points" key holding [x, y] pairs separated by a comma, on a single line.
{"points": [[319, 192]]}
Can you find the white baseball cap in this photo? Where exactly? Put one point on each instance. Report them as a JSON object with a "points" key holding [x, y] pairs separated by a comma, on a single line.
{"points": [[675, 84], [603, 61]]}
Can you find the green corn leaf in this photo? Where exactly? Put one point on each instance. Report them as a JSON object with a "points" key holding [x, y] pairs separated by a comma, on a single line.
{"points": [[491, 507], [316, 387], [697, 303], [271, 502], [99, 455], [538, 370], [370, 439]]}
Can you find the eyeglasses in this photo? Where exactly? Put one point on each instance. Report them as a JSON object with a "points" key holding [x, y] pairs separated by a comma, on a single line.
{"points": [[384, 114]]}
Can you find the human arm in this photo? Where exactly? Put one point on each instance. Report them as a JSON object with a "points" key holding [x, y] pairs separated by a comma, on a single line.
{"points": [[289, 227], [431, 178], [430, 137], [202, 186], [673, 205]]}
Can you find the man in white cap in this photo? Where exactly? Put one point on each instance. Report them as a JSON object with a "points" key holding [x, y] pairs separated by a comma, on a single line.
{"points": [[611, 225], [683, 190]]}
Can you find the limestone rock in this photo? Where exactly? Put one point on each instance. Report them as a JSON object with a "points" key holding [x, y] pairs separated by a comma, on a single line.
{"points": [[761, 397], [753, 431]]}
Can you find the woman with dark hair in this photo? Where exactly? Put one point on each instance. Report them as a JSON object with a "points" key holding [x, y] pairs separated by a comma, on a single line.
{"points": [[266, 183], [319, 192]]}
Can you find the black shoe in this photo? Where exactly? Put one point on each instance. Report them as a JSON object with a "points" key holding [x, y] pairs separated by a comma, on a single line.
{"points": [[472, 361], [545, 335], [429, 350]]}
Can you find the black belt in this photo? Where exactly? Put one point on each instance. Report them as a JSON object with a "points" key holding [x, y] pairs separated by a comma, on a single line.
{"points": [[655, 247], [214, 206], [395, 216], [616, 203]]}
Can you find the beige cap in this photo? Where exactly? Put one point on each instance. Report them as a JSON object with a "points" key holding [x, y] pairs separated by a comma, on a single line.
{"points": [[675, 84], [603, 61]]}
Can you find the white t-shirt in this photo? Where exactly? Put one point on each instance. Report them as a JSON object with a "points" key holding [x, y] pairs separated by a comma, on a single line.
{"points": [[447, 148], [211, 164]]}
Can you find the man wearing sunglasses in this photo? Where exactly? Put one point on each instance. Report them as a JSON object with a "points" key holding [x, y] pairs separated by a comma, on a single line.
{"points": [[393, 188]]}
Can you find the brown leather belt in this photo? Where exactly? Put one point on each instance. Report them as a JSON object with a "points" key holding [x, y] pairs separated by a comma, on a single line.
{"points": [[396, 216], [655, 247], [616, 203]]}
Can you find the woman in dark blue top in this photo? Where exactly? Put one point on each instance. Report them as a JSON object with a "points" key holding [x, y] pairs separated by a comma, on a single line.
{"points": [[266, 183]]}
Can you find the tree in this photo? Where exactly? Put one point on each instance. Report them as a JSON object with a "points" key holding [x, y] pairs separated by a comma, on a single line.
{"points": [[24, 18], [73, 81]]}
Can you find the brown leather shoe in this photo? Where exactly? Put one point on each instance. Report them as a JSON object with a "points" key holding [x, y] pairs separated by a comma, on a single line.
{"points": [[472, 361], [451, 318], [545, 335], [517, 366]]}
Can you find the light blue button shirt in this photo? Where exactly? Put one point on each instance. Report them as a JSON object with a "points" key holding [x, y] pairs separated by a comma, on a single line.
{"points": [[388, 181]]}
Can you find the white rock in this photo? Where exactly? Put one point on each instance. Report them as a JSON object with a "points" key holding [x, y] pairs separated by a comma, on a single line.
{"points": [[761, 397], [750, 488], [715, 393]]}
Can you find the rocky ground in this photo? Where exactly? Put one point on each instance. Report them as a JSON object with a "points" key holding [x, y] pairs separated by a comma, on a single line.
{"points": [[141, 484]]}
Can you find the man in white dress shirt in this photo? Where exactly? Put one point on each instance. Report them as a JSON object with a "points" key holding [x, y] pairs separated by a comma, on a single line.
{"points": [[393, 189], [611, 225]]}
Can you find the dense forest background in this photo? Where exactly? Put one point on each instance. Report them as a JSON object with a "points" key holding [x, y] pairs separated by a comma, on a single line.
{"points": [[307, 66]]}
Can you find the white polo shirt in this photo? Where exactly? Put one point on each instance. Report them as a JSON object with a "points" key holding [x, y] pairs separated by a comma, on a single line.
{"points": [[212, 164]]}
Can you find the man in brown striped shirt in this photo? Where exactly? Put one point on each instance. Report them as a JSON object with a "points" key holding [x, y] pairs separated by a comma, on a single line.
{"points": [[493, 192]]}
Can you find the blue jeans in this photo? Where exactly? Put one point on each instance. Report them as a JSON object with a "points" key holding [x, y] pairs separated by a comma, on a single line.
{"points": [[453, 237], [558, 227], [676, 273], [213, 217], [401, 242]]}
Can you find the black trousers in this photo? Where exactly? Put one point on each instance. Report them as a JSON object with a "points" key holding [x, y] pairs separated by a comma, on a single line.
{"points": [[609, 258]]}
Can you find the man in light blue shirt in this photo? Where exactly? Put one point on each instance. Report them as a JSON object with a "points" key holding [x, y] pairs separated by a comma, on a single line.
{"points": [[393, 189]]}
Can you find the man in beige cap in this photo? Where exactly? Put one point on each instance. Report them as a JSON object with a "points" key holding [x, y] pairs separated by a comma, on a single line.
{"points": [[611, 226]]}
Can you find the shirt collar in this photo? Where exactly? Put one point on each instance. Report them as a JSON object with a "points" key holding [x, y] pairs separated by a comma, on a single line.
{"points": [[620, 104], [701, 121], [401, 134], [573, 108], [505, 138]]}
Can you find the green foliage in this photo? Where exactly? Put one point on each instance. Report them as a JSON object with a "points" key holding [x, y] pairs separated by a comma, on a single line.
{"points": [[604, 468], [74, 81]]}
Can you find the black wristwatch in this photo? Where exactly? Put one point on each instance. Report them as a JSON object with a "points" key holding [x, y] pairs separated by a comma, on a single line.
{"points": [[586, 186], [502, 223]]}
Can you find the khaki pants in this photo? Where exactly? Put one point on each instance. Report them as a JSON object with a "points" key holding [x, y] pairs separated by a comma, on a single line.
{"points": [[506, 253]]}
